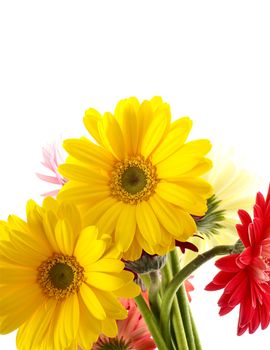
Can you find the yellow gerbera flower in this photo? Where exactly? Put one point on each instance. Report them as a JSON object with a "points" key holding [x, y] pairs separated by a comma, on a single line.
{"points": [[141, 182], [234, 189], [59, 284]]}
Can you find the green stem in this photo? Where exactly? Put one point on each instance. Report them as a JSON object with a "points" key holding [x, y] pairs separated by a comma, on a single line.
{"points": [[178, 337], [185, 312], [178, 326], [178, 279], [183, 302], [154, 298], [151, 322]]}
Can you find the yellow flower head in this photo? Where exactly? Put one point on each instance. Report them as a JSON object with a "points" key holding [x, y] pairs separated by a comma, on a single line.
{"points": [[59, 284], [140, 182]]}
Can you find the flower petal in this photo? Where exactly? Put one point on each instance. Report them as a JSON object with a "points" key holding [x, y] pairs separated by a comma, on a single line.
{"points": [[156, 130], [125, 227], [182, 197], [89, 153], [174, 140], [108, 282], [148, 223], [91, 302], [64, 237], [112, 136]]}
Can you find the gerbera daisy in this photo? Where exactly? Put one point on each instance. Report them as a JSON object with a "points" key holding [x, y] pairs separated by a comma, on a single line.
{"points": [[141, 182], [234, 188], [59, 284], [53, 156], [132, 334], [245, 276]]}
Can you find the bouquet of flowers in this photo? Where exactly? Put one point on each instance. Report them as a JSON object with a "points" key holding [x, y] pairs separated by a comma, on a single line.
{"points": [[105, 262]]}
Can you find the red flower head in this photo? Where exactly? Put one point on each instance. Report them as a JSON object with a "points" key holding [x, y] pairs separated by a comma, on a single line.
{"points": [[245, 276], [133, 333]]}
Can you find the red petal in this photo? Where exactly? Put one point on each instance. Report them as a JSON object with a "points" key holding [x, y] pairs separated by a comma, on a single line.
{"points": [[228, 263], [244, 258], [243, 234]]}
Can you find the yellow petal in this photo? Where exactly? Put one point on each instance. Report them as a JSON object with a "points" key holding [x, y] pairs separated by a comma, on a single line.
{"points": [[66, 322], [126, 227], [111, 135], [112, 306], [15, 223], [35, 215], [148, 223], [134, 252], [51, 204], [129, 290], [17, 304], [166, 214], [91, 120], [200, 168], [107, 222], [91, 216], [156, 102], [18, 253], [89, 153], [188, 224], [14, 274], [174, 140], [72, 215], [91, 302], [126, 115], [33, 333], [156, 130], [89, 328], [81, 194], [145, 244], [49, 224], [145, 116], [108, 282], [196, 148], [109, 328], [88, 250], [106, 265], [182, 197], [83, 174], [174, 166], [197, 185], [64, 236]]}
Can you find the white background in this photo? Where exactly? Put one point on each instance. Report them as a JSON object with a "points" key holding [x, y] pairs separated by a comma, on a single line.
{"points": [[209, 59]]}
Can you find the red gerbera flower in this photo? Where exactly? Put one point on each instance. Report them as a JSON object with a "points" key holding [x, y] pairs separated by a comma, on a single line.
{"points": [[133, 333], [245, 276]]}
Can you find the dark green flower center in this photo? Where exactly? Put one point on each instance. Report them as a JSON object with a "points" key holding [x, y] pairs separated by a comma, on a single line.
{"points": [[61, 275], [134, 180], [113, 344]]}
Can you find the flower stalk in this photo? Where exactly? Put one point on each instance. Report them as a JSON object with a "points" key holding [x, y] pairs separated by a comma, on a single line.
{"points": [[151, 322], [179, 278]]}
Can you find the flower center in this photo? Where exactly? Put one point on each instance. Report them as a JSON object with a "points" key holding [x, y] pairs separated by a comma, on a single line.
{"points": [[60, 276], [133, 180], [113, 344]]}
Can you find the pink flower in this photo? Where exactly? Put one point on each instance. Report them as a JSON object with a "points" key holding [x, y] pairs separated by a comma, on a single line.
{"points": [[245, 276], [188, 287], [132, 332], [52, 158]]}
